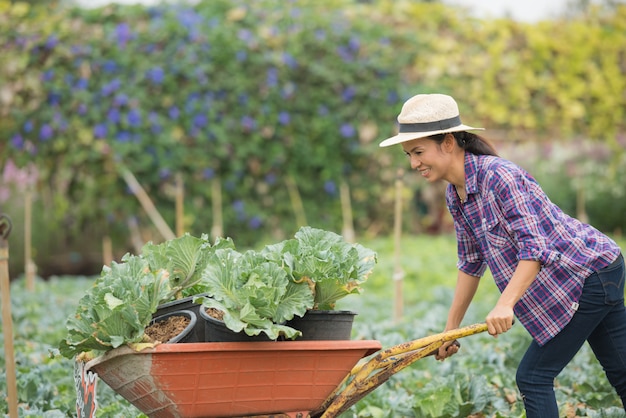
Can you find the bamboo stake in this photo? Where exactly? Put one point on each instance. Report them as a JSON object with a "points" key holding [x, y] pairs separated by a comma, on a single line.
{"points": [[107, 250], [7, 320], [217, 230], [29, 265], [296, 201], [346, 210], [398, 274], [180, 200], [147, 204]]}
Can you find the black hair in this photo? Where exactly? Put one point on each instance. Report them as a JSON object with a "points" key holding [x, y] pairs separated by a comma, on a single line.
{"points": [[469, 142]]}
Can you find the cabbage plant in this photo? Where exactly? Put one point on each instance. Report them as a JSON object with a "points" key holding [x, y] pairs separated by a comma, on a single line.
{"points": [[332, 267], [119, 306]]}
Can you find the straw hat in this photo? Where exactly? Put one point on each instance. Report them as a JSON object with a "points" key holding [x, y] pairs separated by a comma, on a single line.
{"points": [[425, 115]]}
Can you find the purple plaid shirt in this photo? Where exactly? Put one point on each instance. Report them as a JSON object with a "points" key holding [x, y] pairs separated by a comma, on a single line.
{"points": [[506, 218]]}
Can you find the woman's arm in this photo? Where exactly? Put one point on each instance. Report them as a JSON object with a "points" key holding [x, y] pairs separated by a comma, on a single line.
{"points": [[500, 319], [464, 292]]}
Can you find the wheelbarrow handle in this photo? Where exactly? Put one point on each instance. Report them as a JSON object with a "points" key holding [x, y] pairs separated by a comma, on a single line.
{"points": [[455, 343]]}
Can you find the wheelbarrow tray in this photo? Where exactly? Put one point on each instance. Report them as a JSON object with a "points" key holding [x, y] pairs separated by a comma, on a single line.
{"points": [[230, 379]]}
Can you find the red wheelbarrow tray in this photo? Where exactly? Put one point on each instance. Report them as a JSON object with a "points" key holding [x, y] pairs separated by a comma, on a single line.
{"points": [[244, 379], [231, 379]]}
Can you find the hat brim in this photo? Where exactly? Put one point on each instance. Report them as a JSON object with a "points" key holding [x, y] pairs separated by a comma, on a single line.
{"points": [[408, 136]]}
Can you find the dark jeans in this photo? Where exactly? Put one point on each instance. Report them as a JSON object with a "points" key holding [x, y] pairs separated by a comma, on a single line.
{"points": [[600, 320]]}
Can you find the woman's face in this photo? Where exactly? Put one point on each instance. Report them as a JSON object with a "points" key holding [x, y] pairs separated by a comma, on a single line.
{"points": [[428, 157]]}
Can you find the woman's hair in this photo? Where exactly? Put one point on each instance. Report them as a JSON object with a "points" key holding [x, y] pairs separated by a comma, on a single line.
{"points": [[469, 142]]}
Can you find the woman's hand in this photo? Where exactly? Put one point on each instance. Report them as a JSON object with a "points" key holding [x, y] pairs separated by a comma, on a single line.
{"points": [[447, 349], [499, 320]]}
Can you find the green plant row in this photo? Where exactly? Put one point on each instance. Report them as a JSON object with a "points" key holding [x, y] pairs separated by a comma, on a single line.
{"points": [[269, 109], [480, 378]]}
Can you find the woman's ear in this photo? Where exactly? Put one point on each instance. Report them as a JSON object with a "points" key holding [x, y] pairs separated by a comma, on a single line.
{"points": [[448, 142]]}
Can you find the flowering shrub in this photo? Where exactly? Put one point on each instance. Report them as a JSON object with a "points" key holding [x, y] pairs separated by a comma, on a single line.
{"points": [[260, 96]]}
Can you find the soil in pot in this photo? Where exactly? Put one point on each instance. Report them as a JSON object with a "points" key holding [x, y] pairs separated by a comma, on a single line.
{"points": [[185, 304], [172, 327]]}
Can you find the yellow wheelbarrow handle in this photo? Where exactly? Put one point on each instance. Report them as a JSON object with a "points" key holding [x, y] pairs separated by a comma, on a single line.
{"points": [[368, 375]]}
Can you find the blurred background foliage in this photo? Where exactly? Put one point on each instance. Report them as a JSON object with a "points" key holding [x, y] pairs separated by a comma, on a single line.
{"points": [[282, 102]]}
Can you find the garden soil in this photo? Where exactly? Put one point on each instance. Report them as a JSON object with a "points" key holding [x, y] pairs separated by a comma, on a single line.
{"points": [[167, 329]]}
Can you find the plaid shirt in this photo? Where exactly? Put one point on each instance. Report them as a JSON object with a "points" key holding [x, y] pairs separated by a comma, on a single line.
{"points": [[506, 218]]}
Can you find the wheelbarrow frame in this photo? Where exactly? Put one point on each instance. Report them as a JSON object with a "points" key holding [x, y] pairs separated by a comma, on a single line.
{"points": [[374, 366]]}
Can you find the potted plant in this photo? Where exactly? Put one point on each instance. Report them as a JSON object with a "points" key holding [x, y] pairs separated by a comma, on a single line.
{"points": [[289, 289], [332, 268], [125, 298], [253, 296]]}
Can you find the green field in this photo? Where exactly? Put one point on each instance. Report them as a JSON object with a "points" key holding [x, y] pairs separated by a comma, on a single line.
{"points": [[477, 382]]}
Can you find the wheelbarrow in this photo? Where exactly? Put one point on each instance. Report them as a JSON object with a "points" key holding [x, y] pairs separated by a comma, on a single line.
{"points": [[283, 379]]}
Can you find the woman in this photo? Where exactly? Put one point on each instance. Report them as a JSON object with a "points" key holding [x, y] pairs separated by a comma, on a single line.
{"points": [[563, 279]]}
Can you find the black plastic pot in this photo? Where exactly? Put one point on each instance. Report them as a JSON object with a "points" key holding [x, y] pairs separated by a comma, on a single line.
{"points": [[187, 305], [215, 330], [187, 335], [324, 325]]}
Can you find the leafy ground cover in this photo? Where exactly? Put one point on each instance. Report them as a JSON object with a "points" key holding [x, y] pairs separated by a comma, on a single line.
{"points": [[478, 382]]}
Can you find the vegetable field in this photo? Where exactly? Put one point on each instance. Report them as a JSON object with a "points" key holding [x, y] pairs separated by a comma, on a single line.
{"points": [[477, 382]]}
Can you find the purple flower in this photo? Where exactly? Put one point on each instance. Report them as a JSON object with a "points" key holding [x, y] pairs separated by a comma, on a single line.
{"points": [[82, 84], [255, 222], [173, 112], [320, 35], [345, 53], [109, 66], [348, 94], [120, 99], [123, 136], [28, 126], [284, 118], [270, 178], [272, 77], [189, 19], [111, 87], [52, 41], [322, 110], [392, 97], [155, 126], [82, 109], [208, 173], [289, 60], [347, 130], [164, 173], [354, 44], [47, 75], [241, 56], [155, 75], [100, 131], [123, 34], [248, 123], [238, 206], [330, 187], [113, 115], [54, 98], [245, 35], [134, 118], [17, 141], [200, 120], [45, 132]]}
